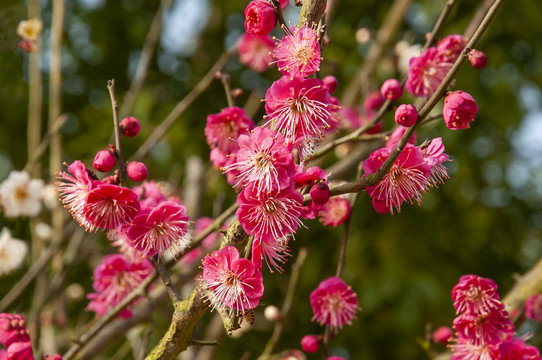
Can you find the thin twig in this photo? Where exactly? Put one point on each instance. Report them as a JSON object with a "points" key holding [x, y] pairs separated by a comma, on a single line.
{"points": [[144, 59], [440, 22], [286, 305], [278, 12], [225, 79], [146, 338], [118, 144], [181, 107], [40, 150], [88, 335], [159, 266], [205, 342]]}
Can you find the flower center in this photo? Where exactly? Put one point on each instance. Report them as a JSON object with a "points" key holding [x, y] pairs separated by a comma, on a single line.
{"points": [[21, 193], [271, 206]]}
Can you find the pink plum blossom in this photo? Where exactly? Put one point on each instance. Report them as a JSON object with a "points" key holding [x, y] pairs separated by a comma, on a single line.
{"points": [[264, 160], [334, 303], [335, 211], [426, 72], [489, 328], [108, 206], [160, 229], [12, 329], [232, 282], [405, 181], [114, 278], [299, 109], [73, 188], [255, 51], [223, 128], [269, 215], [298, 53], [397, 134], [104, 161], [475, 295], [459, 110], [450, 47], [272, 251], [434, 156], [391, 89], [406, 115], [516, 349], [260, 17]]}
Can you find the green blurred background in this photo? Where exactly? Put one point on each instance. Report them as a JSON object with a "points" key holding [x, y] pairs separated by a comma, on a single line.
{"points": [[485, 220]]}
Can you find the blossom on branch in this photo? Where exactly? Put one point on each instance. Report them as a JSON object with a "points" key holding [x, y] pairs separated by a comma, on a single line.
{"points": [[255, 51], [154, 231], [114, 278], [232, 282], [298, 52], [299, 109], [334, 303]]}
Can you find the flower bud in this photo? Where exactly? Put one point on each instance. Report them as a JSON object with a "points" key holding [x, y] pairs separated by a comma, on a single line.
{"points": [[331, 83], [459, 110], [406, 115], [104, 161], [137, 171], [310, 344], [477, 59], [260, 17], [129, 126], [272, 313], [320, 193], [442, 335], [391, 89], [373, 102]]}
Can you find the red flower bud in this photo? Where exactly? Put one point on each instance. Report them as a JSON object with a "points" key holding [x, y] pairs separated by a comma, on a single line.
{"points": [[459, 110], [320, 193], [406, 115], [129, 126], [391, 89], [137, 171], [477, 59], [104, 161]]}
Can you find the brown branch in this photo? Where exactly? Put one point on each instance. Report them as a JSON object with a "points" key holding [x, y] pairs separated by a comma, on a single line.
{"points": [[311, 12], [161, 269], [118, 143]]}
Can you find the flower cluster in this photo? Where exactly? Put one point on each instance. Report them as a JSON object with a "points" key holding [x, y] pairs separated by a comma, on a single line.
{"points": [[483, 329], [14, 337], [114, 279], [414, 171], [426, 72]]}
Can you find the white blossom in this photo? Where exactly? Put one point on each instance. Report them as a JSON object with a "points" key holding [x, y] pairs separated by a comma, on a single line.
{"points": [[20, 195], [12, 252]]}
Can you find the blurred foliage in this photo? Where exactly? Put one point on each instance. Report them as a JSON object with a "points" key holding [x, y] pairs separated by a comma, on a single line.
{"points": [[485, 220]]}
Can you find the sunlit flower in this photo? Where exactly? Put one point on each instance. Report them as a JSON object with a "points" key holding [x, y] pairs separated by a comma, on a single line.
{"points": [[269, 215], [334, 303], [264, 160], [162, 228], [12, 252], [273, 252], [405, 181], [475, 295], [224, 128], [232, 282], [299, 109], [298, 52], [30, 29], [20, 195], [435, 157], [108, 206], [73, 188]]}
